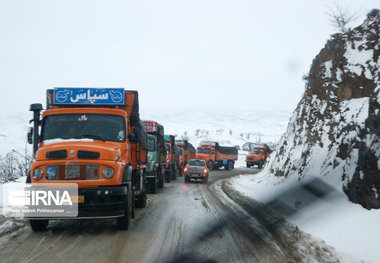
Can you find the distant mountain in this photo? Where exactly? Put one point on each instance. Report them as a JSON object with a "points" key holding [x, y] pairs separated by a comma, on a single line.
{"points": [[229, 127]]}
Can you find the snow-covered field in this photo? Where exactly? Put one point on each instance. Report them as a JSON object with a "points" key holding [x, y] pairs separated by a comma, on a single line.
{"points": [[352, 230]]}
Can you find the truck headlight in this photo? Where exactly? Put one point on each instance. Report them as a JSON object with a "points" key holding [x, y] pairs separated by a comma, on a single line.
{"points": [[38, 173], [108, 173]]}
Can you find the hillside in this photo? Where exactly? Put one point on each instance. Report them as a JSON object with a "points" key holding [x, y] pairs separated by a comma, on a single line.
{"points": [[335, 130]]}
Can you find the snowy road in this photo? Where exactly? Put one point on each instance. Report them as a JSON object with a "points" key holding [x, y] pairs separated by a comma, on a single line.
{"points": [[170, 229]]}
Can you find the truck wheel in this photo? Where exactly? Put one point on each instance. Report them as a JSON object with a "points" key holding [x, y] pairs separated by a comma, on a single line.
{"points": [[168, 176], [39, 225], [153, 186], [187, 179], [124, 221], [228, 166], [248, 165], [174, 175], [260, 165], [210, 165], [141, 199], [161, 182]]}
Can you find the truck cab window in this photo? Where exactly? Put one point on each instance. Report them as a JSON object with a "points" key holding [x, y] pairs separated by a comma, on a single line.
{"points": [[203, 150]]}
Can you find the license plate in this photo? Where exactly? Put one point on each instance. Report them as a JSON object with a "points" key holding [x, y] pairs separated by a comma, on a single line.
{"points": [[77, 199], [194, 174], [72, 171]]}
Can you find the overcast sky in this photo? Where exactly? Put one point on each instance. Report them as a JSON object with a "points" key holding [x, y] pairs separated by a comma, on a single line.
{"points": [[227, 54]]}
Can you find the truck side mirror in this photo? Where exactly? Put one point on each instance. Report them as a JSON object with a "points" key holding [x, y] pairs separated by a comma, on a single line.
{"points": [[133, 138], [136, 132], [30, 135]]}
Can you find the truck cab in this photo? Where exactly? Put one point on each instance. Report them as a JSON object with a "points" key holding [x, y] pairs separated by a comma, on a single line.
{"points": [[99, 147], [208, 154], [258, 155], [156, 155], [172, 158], [187, 152]]}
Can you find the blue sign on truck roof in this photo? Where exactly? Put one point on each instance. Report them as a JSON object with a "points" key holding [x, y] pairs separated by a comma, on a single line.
{"points": [[102, 96]]}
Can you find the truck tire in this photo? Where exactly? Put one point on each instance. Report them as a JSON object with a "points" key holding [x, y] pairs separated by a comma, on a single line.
{"points": [[153, 185], [174, 172], [260, 164], [153, 182], [161, 182], [39, 225], [168, 176], [187, 179], [210, 165], [141, 199], [124, 221], [248, 165], [228, 166]]}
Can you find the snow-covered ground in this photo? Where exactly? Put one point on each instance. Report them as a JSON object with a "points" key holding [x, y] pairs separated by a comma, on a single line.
{"points": [[352, 230]]}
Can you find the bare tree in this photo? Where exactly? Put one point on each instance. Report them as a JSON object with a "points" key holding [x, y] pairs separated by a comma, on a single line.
{"points": [[14, 165], [341, 17]]}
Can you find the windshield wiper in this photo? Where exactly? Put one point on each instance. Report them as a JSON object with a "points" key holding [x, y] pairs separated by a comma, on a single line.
{"points": [[92, 136]]}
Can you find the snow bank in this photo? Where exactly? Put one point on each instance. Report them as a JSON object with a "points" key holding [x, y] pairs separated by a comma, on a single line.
{"points": [[352, 230]]}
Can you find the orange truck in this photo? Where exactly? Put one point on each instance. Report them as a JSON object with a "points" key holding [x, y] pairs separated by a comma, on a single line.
{"points": [[217, 156], [187, 152], [94, 138], [258, 155]]}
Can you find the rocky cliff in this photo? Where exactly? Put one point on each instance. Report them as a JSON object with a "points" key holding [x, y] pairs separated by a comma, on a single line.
{"points": [[335, 129]]}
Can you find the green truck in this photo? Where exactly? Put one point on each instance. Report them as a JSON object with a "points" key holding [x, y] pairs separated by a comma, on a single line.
{"points": [[156, 156]]}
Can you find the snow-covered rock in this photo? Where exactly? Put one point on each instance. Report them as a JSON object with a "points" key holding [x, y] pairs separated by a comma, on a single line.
{"points": [[335, 129]]}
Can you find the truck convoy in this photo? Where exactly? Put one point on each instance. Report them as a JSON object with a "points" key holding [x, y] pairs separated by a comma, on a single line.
{"points": [[94, 138], [217, 156], [258, 155], [187, 152], [156, 155]]}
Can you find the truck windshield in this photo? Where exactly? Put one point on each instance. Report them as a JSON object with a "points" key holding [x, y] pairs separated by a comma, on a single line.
{"points": [[203, 150], [151, 145], [256, 152], [103, 127]]}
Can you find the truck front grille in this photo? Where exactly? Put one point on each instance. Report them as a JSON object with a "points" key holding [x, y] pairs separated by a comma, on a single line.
{"points": [[72, 172]]}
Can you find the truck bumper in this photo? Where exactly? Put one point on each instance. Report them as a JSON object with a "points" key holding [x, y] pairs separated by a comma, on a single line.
{"points": [[99, 202]]}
